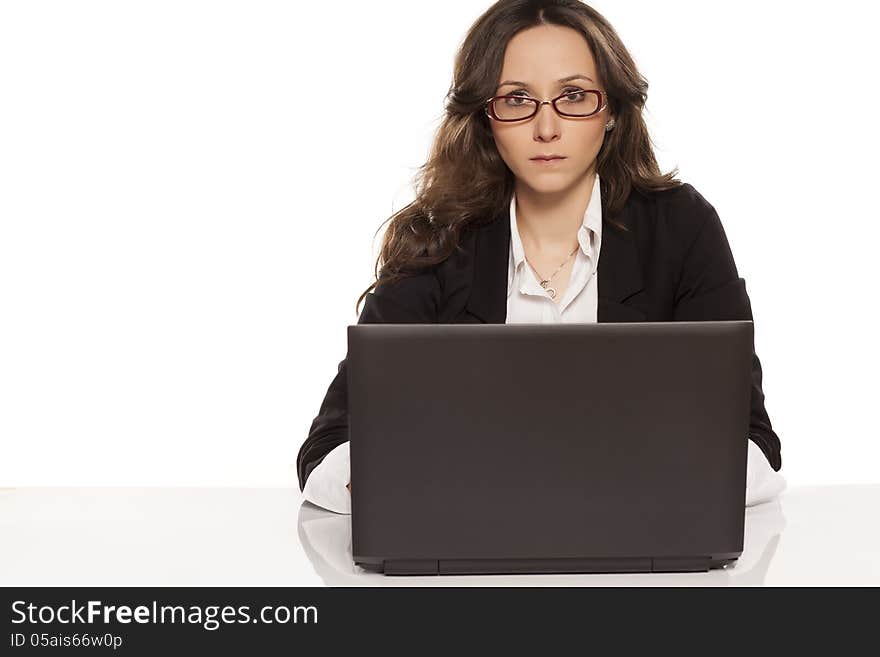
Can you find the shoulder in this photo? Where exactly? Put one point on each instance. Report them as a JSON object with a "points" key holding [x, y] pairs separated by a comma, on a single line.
{"points": [[424, 294], [679, 213], [683, 200], [413, 297]]}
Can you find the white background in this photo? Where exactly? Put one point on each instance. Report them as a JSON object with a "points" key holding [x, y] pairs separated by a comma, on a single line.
{"points": [[185, 228]]}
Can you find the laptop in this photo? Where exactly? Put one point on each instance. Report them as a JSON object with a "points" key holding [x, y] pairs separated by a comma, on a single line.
{"points": [[548, 448]]}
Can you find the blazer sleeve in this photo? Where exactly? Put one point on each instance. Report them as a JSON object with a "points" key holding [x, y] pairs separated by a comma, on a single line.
{"points": [[411, 300], [710, 288]]}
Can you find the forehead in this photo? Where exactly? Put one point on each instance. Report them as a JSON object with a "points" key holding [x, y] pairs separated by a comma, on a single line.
{"points": [[546, 53]]}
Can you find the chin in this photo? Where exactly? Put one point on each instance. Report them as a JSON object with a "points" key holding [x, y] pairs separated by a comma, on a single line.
{"points": [[548, 183]]}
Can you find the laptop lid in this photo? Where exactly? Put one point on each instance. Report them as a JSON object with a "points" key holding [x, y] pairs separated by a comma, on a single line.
{"points": [[607, 447]]}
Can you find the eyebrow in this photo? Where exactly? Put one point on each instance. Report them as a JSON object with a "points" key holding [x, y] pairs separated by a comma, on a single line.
{"points": [[561, 80]]}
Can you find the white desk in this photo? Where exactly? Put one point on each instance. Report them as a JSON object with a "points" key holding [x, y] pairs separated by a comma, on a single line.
{"points": [[824, 535]]}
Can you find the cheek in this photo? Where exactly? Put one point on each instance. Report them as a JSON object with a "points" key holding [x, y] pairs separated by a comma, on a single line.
{"points": [[510, 146], [589, 140]]}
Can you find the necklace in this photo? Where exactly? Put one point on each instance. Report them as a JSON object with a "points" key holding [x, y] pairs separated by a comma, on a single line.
{"points": [[546, 281]]}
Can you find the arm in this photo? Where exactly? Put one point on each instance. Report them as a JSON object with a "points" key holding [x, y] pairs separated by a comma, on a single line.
{"points": [[710, 289], [412, 300]]}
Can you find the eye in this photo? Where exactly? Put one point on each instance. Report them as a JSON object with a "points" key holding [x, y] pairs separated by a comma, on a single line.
{"points": [[519, 93], [514, 100], [575, 95]]}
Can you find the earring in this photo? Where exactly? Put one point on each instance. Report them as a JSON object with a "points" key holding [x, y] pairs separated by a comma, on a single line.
{"points": [[609, 125]]}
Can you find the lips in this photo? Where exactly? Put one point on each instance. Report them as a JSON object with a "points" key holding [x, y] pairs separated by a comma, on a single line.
{"points": [[549, 158], [549, 163]]}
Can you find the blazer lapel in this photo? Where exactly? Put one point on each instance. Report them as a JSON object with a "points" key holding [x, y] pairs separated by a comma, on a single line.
{"points": [[488, 297], [619, 274]]}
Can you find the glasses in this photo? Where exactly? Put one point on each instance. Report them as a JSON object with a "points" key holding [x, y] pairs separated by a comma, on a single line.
{"points": [[577, 104]]}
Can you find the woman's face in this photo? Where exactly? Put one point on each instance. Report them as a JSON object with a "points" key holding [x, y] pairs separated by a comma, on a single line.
{"points": [[540, 57]]}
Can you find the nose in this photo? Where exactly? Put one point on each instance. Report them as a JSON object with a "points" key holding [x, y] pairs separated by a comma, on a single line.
{"points": [[547, 122]]}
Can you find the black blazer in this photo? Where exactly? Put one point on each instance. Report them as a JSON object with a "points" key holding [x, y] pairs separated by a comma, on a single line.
{"points": [[674, 264]]}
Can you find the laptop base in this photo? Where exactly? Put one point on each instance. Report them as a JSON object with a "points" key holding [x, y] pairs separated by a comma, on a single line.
{"points": [[548, 566]]}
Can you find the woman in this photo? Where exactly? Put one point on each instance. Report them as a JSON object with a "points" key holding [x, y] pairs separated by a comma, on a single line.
{"points": [[542, 201]]}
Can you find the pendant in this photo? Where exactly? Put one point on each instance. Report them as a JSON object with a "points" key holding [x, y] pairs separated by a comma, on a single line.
{"points": [[550, 290]]}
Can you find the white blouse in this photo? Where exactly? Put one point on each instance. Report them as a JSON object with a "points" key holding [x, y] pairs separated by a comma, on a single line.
{"points": [[528, 302]]}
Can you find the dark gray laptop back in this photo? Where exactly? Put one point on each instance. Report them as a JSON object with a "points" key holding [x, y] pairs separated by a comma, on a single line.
{"points": [[545, 448]]}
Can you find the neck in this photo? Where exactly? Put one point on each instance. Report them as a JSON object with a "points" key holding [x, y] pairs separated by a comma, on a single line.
{"points": [[548, 222]]}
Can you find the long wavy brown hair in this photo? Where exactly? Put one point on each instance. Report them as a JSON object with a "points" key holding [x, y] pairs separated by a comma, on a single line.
{"points": [[465, 182]]}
